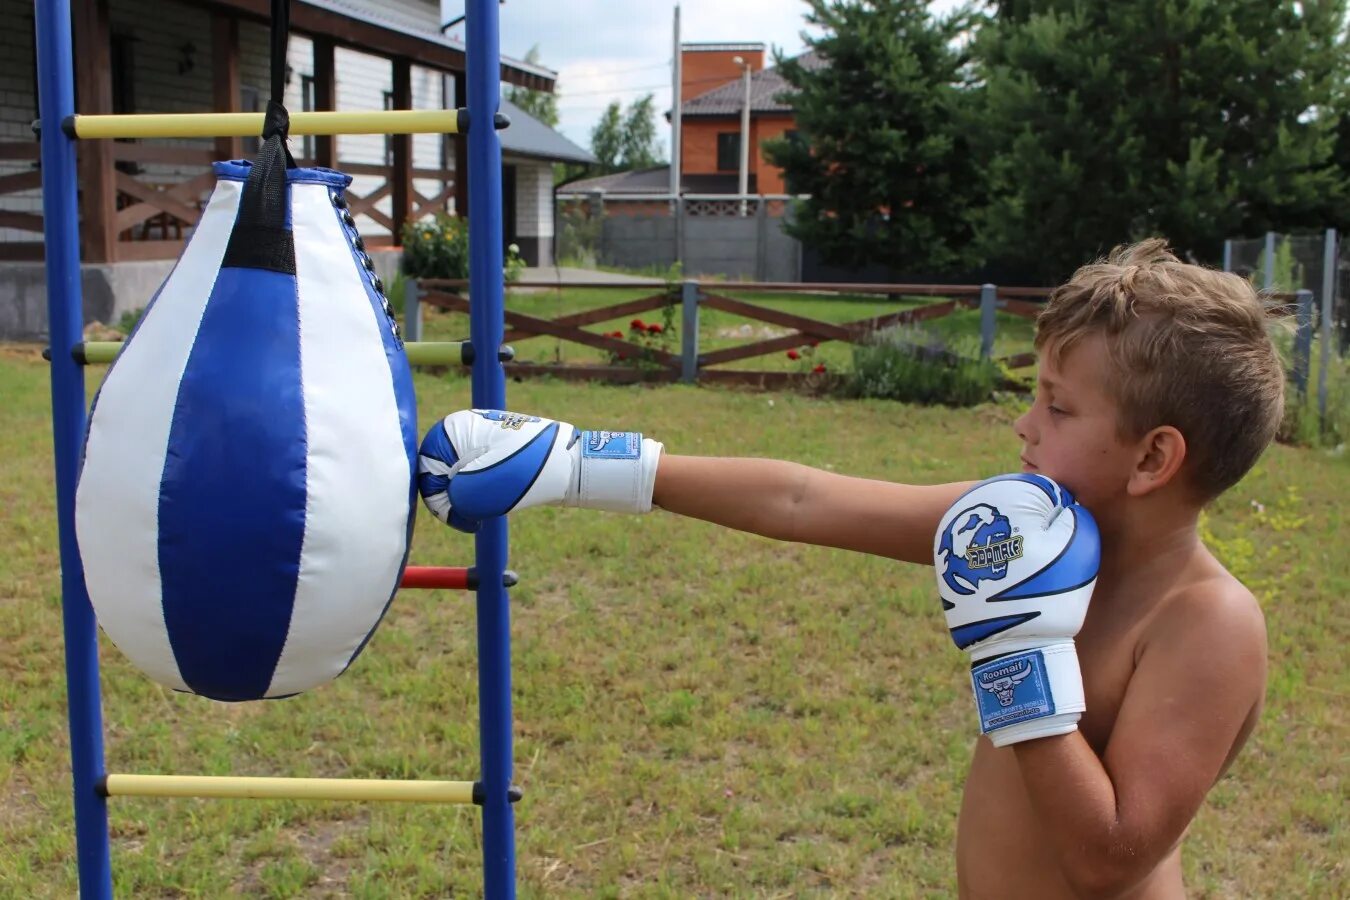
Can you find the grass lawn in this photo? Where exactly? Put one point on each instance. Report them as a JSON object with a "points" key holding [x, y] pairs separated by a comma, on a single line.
{"points": [[697, 712], [719, 330]]}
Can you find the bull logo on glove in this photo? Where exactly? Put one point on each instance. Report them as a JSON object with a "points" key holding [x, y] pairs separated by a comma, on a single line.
{"points": [[977, 546], [1003, 681]]}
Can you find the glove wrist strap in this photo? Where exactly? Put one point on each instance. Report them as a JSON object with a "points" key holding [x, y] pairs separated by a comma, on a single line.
{"points": [[1029, 693], [615, 471]]}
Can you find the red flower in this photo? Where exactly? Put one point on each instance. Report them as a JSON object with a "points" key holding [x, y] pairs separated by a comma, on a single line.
{"points": [[615, 334], [636, 325], [819, 369], [623, 356], [654, 328], [793, 354], [815, 343]]}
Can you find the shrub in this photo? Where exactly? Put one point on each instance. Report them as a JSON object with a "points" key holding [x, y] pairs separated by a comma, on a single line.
{"points": [[439, 248], [915, 365], [1303, 422], [436, 249]]}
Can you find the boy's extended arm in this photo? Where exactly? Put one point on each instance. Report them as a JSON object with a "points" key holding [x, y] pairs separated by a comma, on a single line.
{"points": [[793, 502], [1112, 820]]}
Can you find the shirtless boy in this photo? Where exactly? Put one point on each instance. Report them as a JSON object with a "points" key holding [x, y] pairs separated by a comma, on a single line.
{"points": [[1158, 390]]}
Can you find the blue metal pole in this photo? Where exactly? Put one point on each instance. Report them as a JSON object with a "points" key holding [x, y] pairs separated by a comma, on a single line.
{"points": [[56, 95], [489, 391]]}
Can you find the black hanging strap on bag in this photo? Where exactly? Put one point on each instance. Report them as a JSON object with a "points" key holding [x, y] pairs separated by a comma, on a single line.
{"points": [[260, 238]]}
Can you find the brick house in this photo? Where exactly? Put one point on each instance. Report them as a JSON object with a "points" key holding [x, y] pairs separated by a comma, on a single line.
{"points": [[710, 134], [140, 199]]}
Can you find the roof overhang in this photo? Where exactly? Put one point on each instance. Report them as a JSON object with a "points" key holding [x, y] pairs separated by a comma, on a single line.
{"points": [[351, 29]]}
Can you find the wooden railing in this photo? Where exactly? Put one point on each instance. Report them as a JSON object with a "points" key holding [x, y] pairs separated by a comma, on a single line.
{"points": [[692, 366], [154, 214]]}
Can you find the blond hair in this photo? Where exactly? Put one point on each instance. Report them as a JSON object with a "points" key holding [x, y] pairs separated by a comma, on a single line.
{"points": [[1189, 348]]}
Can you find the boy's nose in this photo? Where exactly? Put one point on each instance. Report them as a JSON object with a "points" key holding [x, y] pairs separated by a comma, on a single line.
{"points": [[1020, 427]]}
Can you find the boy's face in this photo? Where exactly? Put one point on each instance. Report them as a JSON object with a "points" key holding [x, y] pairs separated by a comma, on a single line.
{"points": [[1070, 433]]}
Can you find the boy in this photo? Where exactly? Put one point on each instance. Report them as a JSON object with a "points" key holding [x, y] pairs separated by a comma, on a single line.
{"points": [[1159, 388]]}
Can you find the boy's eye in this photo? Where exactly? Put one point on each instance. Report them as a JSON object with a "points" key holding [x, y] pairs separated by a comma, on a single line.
{"points": [[1056, 411]]}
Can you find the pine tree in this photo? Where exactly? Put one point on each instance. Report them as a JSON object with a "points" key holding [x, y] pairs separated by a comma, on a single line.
{"points": [[879, 145], [1196, 120]]}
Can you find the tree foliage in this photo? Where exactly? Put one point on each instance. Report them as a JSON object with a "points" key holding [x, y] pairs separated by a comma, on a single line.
{"points": [[624, 140], [543, 105], [880, 146], [1192, 119]]}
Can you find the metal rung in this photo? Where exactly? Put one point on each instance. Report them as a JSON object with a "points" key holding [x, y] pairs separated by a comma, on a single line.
{"points": [[238, 787], [208, 125], [458, 579], [420, 353]]}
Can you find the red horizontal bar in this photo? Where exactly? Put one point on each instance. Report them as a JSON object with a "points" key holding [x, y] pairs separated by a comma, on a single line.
{"points": [[451, 578]]}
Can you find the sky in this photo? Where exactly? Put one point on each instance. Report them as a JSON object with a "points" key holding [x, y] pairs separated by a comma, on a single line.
{"points": [[606, 50]]}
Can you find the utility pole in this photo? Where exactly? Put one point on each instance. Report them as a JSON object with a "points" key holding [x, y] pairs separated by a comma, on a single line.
{"points": [[675, 103], [745, 132]]}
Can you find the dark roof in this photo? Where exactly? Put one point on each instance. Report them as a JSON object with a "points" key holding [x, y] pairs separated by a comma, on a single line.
{"points": [[655, 180], [528, 136], [768, 93]]}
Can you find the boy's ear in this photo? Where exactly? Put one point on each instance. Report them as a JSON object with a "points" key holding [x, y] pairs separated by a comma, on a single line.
{"points": [[1161, 454]]}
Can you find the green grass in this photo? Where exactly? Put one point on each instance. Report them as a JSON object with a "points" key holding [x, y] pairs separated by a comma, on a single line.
{"points": [[697, 712], [719, 330]]}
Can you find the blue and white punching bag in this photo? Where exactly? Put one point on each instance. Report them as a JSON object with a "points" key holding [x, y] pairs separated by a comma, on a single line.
{"points": [[245, 504]]}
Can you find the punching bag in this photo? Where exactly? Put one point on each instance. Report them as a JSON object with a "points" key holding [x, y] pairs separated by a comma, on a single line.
{"points": [[245, 502]]}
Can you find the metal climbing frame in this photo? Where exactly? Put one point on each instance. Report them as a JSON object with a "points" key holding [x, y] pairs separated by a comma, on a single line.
{"points": [[60, 128]]}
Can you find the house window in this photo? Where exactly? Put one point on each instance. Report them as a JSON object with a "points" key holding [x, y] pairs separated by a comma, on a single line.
{"points": [[122, 60], [250, 100], [388, 139], [729, 151], [307, 104]]}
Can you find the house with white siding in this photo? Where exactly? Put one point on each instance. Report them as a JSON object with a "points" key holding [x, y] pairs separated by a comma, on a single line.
{"points": [[139, 200]]}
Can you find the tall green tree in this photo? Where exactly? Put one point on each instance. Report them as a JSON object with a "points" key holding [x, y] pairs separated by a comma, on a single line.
{"points": [[1192, 119], [626, 139], [880, 145], [543, 105], [607, 139]]}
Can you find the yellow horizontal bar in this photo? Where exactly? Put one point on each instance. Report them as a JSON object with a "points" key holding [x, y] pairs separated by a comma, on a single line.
{"points": [[201, 125], [232, 787], [420, 353]]}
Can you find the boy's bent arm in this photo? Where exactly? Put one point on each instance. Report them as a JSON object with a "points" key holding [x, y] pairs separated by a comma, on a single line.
{"points": [[793, 502], [1114, 819]]}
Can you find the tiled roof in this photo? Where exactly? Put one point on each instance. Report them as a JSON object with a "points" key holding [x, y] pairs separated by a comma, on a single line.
{"points": [[655, 180], [768, 93]]}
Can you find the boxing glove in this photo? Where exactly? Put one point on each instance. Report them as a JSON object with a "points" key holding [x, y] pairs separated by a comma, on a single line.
{"points": [[1016, 560], [479, 463]]}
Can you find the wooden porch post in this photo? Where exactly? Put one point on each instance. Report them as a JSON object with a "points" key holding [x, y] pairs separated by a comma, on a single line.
{"points": [[325, 98], [225, 77], [461, 150], [93, 92], [401, 177]]}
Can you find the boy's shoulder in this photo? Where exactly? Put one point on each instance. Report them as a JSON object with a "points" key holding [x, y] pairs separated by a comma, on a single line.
{"points": [[1211, 608]]}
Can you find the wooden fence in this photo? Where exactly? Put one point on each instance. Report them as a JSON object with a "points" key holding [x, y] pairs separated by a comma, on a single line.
{"points": [[693, 366]]}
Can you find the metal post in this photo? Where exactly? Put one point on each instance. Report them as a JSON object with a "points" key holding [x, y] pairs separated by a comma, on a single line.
{"points": [[1328, 290], [1269, 278], [412, 310], [1303, 339], [680, 221], [988, 303], [489, 391], [1228, 255], [56, 92], [689, 332]]}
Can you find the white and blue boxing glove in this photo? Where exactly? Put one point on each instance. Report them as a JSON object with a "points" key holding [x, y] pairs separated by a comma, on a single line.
{"points": [[1016, 560], [479, 463]]}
